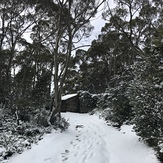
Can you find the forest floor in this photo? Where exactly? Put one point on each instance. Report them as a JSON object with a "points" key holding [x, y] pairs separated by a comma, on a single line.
{"points": [[88, 139]]}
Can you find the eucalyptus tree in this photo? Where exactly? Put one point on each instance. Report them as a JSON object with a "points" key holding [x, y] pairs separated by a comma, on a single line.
{"points": [[136, 19], [16, 18], [32, 81], [106, 59], [69, 22]]}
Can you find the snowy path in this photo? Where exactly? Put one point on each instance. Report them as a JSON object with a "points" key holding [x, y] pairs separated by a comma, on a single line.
{"points": [[88, 140]]}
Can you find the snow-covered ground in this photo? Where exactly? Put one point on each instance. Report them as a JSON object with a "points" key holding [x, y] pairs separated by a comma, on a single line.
{"points": [[88, 140]]}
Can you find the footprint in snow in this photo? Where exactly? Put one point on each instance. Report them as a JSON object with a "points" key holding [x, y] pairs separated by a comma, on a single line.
{"points": [[64, 155], [47, 159]]}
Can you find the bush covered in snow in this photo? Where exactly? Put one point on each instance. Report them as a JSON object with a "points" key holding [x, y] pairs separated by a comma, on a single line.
{"points": [[115, 106], [14, 138], [145, 93], [88, 101]]}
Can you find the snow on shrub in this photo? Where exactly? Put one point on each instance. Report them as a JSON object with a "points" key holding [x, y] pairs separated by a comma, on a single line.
{"points": [[15, 138]]}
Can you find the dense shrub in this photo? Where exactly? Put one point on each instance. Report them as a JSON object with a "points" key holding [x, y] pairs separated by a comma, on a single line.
{"points": [[88, 101], [145, 95], [115, 105]]}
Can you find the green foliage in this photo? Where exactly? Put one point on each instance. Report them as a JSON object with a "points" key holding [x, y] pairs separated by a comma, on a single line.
{"points": [[120, 108], [103, 101], [88, 101], [117, 105], [106, 57], [4, 55], [145, 95], [41, 92]]}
